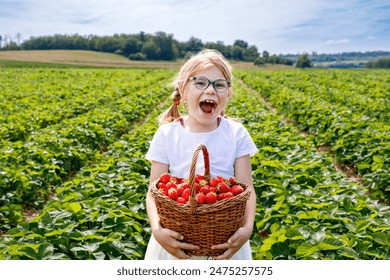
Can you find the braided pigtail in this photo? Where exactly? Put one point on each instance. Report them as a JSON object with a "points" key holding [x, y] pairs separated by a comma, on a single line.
{"points": [[172, 114]]}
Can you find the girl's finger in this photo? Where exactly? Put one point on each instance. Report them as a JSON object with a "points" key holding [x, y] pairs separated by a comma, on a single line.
{"points": [[188, 246], [225, 256], [221, 246]]}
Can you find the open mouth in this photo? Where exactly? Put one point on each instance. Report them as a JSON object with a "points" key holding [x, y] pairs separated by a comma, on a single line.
{"points": [[208, 106]]}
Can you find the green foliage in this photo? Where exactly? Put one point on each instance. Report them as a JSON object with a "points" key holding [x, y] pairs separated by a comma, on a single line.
{"points": [[303, 61], [56, 121], [137, 56], [346, 112], [75, 151], [305, 208], [272, 60], [158, 46], [380, 63]]}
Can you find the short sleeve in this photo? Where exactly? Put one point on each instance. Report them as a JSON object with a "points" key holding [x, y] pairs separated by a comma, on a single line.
{"points": [[245, 144], [158, 148]]}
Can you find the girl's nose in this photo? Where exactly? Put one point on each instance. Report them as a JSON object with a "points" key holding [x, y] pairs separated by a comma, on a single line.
{"points": [[210, 90]]}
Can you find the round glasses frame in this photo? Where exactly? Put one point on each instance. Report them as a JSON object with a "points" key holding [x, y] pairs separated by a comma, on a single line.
{"points": [[201, 87]]}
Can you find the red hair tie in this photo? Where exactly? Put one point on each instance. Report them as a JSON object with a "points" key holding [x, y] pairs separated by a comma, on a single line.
{"points": [[176, 102]]}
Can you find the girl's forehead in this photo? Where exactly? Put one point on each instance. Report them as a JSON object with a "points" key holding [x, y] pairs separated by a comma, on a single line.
{"points": [[211, 71]]}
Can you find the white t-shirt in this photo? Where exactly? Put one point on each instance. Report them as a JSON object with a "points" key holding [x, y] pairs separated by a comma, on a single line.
{"points": [[175, 146]]}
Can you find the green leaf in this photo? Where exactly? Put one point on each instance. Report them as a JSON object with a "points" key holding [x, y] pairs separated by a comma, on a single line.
{"points": [[330, 244], [362, 225], [274, 228], [279, 202], [347, 203], [75, 207], [45, 251], [29, 252], [306, 250], [381, 238], [267, 245], [55, 232], [377, 159], [280, 249], [294, 234], [348, 252], [363, 165]]}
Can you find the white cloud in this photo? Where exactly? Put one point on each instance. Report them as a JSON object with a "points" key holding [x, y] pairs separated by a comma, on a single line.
{"points": [[337, 42]]}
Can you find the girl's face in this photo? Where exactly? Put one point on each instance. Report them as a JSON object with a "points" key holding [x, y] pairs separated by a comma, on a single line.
{"points": [[205, 106]]}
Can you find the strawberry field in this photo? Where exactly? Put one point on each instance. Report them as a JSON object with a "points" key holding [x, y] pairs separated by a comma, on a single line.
{"points": [[73, 177]]}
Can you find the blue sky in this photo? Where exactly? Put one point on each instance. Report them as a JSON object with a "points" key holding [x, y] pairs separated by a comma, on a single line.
{"points": [[282, 26]]}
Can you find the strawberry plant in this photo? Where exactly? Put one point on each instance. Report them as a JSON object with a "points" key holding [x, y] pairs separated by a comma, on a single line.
{"points": [[346, 111], [73, 143]]}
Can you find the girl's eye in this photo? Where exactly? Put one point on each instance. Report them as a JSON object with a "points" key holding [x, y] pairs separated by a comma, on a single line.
{"points": [[200, 83], [220, 85]]}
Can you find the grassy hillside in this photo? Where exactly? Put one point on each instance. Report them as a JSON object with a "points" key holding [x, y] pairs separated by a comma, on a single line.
{"points": [[81, 58]]}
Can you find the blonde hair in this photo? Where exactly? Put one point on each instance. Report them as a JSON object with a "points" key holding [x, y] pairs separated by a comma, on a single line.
{"points": [[199, 62]]}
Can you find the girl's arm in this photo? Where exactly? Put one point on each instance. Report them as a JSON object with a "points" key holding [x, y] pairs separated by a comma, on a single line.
{"points": [[168, 239], [243, 174]]}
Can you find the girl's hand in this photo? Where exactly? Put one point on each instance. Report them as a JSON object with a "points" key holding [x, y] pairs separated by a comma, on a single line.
{"points": [[171, 241], [234, 243]]}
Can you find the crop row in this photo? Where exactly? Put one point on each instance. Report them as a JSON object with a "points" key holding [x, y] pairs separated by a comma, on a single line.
{"points": [[305, 208], [99, 214], [345, 111], [36, 98], [32, 169]]}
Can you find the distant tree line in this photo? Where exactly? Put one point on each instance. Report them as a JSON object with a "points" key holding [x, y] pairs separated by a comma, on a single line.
{"points": [[341, 57], [141, 46], [162, 46], [380, 63], [266, 58]]}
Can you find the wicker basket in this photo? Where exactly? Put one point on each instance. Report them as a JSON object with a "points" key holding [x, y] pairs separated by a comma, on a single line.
{"points": [[205, 224]]}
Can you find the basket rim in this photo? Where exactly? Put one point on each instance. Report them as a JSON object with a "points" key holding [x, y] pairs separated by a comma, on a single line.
{"points": [[221, 204]]}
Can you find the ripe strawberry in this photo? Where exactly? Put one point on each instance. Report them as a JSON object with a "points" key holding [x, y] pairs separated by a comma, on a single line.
{"points": [[178, 180], [211, 197], [165, 178], [220, 179], [186, 194], [197, 187], [232, 181], [223, 188], [179, 189], [201, 198], [214, 182], [213, 189], [203, 183], [198, 178], [237, 189], [172, 193], [181, 200], [161, 185], [170, 185], [205, 189], [163, 191], [185, 185], [220, 196], [228, 195]]}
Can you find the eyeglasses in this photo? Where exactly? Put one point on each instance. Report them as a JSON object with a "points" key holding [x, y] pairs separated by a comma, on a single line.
{"points": [[202, 83]]}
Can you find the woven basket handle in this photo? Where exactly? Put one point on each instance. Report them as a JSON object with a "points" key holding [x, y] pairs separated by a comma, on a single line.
{"points": [[192, 200]]}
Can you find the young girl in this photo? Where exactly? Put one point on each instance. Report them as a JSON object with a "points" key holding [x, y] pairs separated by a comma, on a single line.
{"points": [[203, 86]]}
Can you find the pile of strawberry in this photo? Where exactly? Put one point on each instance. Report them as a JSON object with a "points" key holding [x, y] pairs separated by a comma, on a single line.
{"points": [[211, 191]]}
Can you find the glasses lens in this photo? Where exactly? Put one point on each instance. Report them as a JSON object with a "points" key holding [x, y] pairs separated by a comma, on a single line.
{"points": [[220, 85], [201, 83]]}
